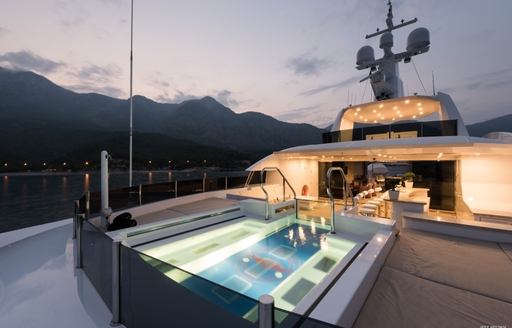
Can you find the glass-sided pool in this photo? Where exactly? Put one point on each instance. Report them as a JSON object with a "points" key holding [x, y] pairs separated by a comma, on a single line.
{"points": [[285, 258]]}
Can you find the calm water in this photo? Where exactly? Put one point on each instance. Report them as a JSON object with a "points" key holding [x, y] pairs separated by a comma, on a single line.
{"points": [[30, 199]]}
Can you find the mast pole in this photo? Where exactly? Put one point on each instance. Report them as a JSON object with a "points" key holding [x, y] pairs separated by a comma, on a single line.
{"points": [[131, 98]]}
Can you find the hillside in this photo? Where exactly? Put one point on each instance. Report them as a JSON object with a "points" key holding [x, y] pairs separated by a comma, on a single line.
{"points": [[41, 121], [499, 124]]}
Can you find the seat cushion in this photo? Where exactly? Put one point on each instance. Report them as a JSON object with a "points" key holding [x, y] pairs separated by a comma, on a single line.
{"points": [[478, 266]]}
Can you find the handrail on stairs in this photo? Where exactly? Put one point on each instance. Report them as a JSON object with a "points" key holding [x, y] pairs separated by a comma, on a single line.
{"points": [[285, 181], [346, 190]]}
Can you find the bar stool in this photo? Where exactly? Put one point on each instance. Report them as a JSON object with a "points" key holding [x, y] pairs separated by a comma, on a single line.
{"points": [[367, 211]]}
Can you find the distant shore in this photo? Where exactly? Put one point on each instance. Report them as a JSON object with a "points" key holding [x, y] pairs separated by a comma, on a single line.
{"points": [[61, 173]]}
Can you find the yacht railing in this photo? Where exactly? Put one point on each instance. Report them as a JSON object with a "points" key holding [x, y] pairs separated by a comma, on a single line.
{"points": [[124, 198], [285, 182], [346, 191]]}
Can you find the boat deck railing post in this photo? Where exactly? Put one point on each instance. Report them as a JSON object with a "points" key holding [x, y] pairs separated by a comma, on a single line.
{"points": [[116, 261], [80, 224], [140, 194], [75, 219], [266, 311]]}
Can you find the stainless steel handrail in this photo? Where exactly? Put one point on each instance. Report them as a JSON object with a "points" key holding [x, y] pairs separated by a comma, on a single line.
{"points": [[262, 183], [331, 197]]}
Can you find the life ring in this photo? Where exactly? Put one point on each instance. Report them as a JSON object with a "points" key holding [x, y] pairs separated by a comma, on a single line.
{"points": [[305, 190]]}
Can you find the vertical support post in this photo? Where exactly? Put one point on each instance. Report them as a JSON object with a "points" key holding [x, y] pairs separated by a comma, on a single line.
{"points": [[226, 183], [284, 190], [140, 194], [80, 225], [106, 211], [175, 188], [116, 249], [75, 219], [204, 181], [266, 311], [87, 205]]}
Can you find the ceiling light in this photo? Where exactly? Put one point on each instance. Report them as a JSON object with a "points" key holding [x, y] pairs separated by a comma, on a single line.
{"points": [[418, 104], [414, 116], [356, 114], [374, 121], [407, 101], [420, 108], [421, 113], [381, 105], [393, 119], [366, 120], [358, 109], [395, 108], [375, 111], [400, 115]]}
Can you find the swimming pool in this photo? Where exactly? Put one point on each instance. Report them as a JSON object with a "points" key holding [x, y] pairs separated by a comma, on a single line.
{"points": [[286, 258]]}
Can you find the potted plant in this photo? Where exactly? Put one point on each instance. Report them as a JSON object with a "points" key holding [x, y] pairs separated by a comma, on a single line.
{"points": [[409, 179], [394, 193]]}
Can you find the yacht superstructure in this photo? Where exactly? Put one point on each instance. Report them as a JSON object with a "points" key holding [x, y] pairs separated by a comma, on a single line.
{"points": [[376, 225]]}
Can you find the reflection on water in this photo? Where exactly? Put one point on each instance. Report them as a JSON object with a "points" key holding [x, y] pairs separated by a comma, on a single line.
{"points": [[30, 199]]}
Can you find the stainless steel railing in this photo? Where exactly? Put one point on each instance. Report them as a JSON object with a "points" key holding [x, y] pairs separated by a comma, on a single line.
{"points": [[285, 182], [346, 190]]}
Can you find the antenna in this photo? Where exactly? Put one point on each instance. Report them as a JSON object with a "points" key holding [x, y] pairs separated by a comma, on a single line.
{"points": [[433, 84], [389, 23], [130, 174]]}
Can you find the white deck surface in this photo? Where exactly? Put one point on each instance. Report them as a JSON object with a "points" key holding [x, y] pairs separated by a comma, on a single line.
{"points": [[40, 287]]}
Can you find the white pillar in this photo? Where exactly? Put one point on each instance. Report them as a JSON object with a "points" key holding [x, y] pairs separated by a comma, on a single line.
{"points": [[106, 211]]}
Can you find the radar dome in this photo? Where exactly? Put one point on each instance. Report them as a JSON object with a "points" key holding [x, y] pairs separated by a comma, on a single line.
{"points": [[418, 40], [365, 55], [386, 40]]}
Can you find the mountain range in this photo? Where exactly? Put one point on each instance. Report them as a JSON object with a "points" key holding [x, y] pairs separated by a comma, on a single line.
{"points": [[41, 122]]}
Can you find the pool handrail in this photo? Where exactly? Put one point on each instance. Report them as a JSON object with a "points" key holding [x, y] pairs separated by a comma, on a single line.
{"points": [[262, 183], [331, 197]]}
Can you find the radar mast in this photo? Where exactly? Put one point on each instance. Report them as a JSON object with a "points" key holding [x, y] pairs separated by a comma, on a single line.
{"points": [[383, 75]]}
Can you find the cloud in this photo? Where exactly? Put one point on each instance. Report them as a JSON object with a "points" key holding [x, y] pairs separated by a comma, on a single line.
{"points": [[490, 80], [98, 79], [294, 114], [96, 73], [178, 97], [225, 97], [70, 14], [27, 60], [106, 90], [307, 64], [334, 86]]}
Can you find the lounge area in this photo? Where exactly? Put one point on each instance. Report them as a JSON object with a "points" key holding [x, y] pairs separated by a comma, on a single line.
{"points": [[433, 280]]}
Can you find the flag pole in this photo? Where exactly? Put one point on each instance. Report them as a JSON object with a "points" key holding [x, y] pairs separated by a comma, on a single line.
{"points": [[131, 97]]}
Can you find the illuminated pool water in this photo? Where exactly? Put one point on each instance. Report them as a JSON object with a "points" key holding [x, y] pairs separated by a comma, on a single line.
{"points": [[286, 258]]}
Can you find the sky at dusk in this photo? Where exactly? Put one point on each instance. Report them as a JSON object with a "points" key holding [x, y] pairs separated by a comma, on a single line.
{"points": [[292, 59]]}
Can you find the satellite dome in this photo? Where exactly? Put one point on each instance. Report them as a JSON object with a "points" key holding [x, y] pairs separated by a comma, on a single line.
{"points": [[365, 55], [386, 40], [418, 40]]}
